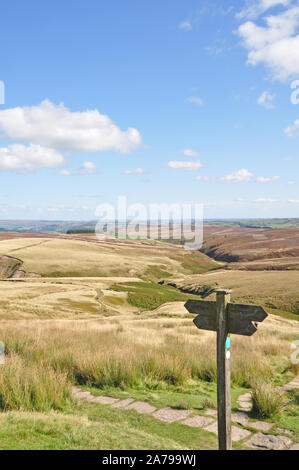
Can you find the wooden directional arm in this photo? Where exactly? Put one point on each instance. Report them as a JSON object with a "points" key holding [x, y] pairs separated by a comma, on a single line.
{"points": [[240, 317]]}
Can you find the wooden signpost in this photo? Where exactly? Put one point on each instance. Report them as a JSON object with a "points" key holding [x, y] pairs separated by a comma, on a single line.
{"points": [[225, 318]]}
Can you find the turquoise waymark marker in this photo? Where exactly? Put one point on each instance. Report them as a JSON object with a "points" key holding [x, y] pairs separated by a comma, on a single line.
{"points": [[227, 343]]}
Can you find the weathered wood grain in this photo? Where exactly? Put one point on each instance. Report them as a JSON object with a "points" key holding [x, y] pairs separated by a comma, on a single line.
{"points": [[239, 317], [223, 373]]}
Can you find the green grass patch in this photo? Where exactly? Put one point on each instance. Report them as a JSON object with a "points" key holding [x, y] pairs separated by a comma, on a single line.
{"points": [[194, 263], [156, 272], [149, 295], [95, 427]]}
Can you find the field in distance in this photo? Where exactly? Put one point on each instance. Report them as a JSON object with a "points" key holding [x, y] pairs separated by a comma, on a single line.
{"points": [[253, 248], [84, 255]]}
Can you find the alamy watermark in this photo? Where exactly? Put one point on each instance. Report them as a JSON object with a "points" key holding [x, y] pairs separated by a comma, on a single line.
{"points": [[182, 223], [2, 92], [295, 94], [2, 353], [295, 353]]}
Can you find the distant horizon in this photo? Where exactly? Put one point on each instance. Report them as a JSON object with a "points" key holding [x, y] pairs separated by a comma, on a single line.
{"points": [[217, 219]]}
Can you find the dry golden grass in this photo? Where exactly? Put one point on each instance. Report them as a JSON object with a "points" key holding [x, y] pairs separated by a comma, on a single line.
{"points": [[57, 257], [142, 352], [275, 290]]}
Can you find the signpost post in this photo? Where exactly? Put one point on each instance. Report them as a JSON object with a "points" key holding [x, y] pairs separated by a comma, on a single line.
{"points": [[225, 318]]}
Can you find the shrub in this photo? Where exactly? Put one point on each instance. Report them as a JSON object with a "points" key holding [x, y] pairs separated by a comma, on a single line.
{"points": [[267, 400], [31, 387]]}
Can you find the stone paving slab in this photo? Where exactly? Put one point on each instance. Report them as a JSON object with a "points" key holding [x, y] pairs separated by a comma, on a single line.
{"points": [[284, 431], [237, 433], [294, 447], [105, 400], [123, 403], [170, 415], [245, 397], [240, 418], [198, 421], [260, 440], [83, 395], [291, 385], [261, 425], [141, 407], [245, 406], [211, 412]]}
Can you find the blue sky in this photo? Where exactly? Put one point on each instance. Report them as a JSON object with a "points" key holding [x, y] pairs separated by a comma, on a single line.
{"points": [[160, 101]]}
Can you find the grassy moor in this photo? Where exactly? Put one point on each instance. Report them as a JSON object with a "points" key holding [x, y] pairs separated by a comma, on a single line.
{"points": [[109, 317]]}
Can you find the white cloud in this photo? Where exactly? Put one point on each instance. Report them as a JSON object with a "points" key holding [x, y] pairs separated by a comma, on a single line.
{"points": [[237, 176], [292, 130], [137, 171], [192, 166], [195, 100], [266, 100], [24, 159], [293, 201], [276, 45], [257, 7], [185, 26], [88, 168], [191, 153], [265, 200], [291, 182], [206, 179], [288, 159], [263, 179], [58, 127], [65, 173]]}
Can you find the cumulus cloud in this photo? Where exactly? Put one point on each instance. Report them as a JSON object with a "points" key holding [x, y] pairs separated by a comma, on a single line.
{"points": [[191, 166], [56, 126], [293, 201], [276, 44], [237, 176], [266, 100], [136, 171], [191, 153], [292, 130], [25, 159], [88, 168], [195, 100], [263, 179]]}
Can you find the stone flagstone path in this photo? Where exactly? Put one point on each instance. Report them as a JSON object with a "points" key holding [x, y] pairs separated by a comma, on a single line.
{"points": [[208, 422]]}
